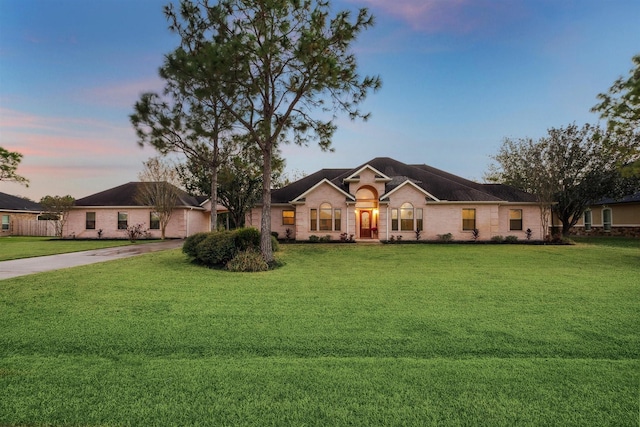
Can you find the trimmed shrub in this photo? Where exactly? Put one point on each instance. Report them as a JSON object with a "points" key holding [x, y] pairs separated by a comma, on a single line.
{"points": [[247, 261], [217, 249], [325, 239], [191, 243], [275, 245], [247, 238], [445, 237], [314, 239], [511, 239], [497, 239]]}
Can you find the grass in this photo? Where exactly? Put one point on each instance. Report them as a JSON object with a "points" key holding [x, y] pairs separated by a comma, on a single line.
{"points": [[341, 335], [15, 247]]}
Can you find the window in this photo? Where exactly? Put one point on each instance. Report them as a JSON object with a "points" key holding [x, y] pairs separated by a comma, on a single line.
{"points": [[337, 219], [154, 221], [314, 219], [288, 217], [406, 217], [325, 217], [5, 222], [90, 221], [468, 219], [394, 219], [515, 219], [122, 220], [606, 219], [587, 220], [419, 219]]}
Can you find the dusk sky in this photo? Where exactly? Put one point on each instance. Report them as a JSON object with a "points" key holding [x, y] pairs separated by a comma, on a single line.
{"points": [[458, 77]]}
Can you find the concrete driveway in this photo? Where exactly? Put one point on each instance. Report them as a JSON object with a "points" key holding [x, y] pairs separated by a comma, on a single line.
{"points": [[22, 267]]}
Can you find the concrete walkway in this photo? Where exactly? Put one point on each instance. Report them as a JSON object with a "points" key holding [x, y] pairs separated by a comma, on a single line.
{"points": [[22, 267]]}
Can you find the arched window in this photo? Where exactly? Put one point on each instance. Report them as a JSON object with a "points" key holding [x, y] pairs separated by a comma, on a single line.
{"points": [[366, 198], [325, 217], [406, 217]]}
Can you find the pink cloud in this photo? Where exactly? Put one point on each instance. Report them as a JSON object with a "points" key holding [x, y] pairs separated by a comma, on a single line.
{"points": [[70, 155], [446, 16], [45, 138], [21, 121]]}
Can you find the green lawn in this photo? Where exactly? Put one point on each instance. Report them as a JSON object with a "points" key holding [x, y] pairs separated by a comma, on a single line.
{"points": [[14, 247], [494, 335]]}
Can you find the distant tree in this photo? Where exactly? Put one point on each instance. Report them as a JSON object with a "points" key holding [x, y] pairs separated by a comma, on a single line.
{"points": [[620, 106], [57, 209], [9, 161], [158, 190], [281, 63], [521, 163], [239, 182], [567, 170]]}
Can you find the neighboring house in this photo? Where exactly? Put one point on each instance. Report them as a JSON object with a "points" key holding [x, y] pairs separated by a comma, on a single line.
{"points": [[611, 217], [385, 198], [20, 217], [108, 214]]}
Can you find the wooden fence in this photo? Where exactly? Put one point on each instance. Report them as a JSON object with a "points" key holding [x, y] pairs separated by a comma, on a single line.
{"points": [[32, 227]]}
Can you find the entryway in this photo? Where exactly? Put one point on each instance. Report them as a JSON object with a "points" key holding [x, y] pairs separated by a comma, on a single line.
{"points": [[365, 224]]}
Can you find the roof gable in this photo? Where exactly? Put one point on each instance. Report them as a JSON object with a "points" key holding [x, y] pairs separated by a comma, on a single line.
{"points": [[409, 183], [355, 176], [327, 182], [294, 190]]}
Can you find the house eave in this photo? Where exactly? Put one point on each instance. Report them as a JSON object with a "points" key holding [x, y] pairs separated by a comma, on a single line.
{"points": [[20, 211], [84, 207], [479, 202]]}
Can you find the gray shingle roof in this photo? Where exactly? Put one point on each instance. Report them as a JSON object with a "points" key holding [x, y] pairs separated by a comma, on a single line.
{"points": [[125, 195], [631, 198], [440, 184], [14, 203]]}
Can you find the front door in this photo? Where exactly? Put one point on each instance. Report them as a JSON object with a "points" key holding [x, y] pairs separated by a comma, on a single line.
{"points": [[365, 224]]}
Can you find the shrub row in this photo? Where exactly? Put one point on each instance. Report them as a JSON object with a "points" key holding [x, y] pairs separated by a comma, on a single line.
{"points": [[237, 250]]}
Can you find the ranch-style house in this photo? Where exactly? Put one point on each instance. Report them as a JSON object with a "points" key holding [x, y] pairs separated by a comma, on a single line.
{"points": [[384, 198]]}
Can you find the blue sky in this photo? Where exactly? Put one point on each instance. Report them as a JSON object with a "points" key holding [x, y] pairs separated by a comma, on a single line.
{"points": [[458, 77]]}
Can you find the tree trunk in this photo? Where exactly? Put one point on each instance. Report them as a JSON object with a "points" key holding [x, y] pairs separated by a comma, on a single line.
{"points": [[214, 197], [265, 222]]}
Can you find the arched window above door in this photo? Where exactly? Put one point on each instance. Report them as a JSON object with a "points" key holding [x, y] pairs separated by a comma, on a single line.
{"points": [[366, 198]]}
